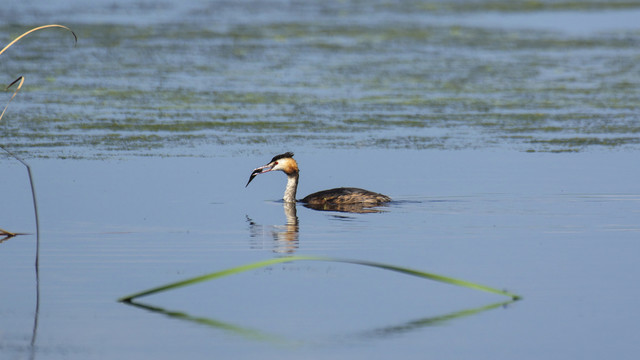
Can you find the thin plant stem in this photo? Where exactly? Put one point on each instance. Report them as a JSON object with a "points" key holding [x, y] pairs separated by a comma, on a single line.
{"points": [[36, 29], [35, 202], [20, 82], [4, 232]]}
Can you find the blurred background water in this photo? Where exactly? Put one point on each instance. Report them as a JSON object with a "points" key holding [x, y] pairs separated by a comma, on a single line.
{"points": [[172, 78]]}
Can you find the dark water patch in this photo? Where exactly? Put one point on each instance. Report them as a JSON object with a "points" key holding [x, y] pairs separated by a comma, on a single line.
{"points": [[584, 142], [520, 5]]}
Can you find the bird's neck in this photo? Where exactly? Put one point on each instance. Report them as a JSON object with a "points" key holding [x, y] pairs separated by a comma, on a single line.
{"points": [[292, 188]]}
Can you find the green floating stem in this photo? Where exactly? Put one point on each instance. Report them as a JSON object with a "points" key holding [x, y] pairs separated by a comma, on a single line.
{"points": [[264, 263]]}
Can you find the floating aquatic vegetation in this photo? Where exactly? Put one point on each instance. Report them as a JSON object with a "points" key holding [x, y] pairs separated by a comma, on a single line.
{"points": [[259, 264]]}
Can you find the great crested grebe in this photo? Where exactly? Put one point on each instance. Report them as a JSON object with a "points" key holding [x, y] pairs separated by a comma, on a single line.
{"points": [[344, 195]]}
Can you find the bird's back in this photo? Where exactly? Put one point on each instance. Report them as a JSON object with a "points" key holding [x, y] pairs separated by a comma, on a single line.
{"points": [[346, 195]]}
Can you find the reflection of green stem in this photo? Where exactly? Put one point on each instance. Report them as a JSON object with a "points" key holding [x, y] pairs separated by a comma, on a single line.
{"points": [[264, 263], [429, 321], [256, 335], [249, 334]]}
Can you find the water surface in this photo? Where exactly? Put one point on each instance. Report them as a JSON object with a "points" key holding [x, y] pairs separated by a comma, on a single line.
{"points": [[560, 230], [506, 133]]}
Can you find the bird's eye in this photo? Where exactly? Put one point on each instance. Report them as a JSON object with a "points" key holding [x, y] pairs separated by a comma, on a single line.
{"points": [[276, 163]]}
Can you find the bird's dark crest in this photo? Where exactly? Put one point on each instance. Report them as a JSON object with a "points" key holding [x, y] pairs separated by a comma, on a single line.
{"points": [[288, 154]]}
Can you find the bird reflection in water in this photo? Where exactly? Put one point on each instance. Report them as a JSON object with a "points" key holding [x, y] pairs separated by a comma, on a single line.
{"points": [[285, 237], [356, 208]]}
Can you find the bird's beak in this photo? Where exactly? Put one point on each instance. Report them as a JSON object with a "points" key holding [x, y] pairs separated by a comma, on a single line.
{"points": [[260, 170]]}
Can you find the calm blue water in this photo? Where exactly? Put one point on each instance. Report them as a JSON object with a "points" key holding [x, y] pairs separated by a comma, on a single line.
{"points": [[503, 158], [559, 229]]}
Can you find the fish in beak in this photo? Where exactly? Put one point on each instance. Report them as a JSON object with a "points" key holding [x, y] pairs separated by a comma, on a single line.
{"points": [[260, 170]]}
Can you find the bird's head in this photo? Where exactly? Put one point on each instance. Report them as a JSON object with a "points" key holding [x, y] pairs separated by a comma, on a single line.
{"points": [[283, 162]]}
